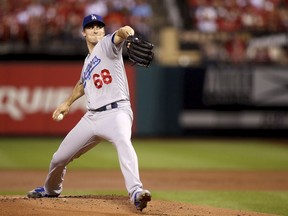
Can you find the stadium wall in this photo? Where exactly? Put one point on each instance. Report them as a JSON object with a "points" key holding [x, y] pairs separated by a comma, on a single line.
{"points": [[167, 101]]}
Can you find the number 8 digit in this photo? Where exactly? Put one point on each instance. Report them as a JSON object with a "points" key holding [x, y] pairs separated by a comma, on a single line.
{"points": [[107, 78]]}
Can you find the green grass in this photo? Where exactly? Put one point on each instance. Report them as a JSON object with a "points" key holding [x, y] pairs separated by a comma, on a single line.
{"points": [[220, 155], [36, 153], [259, 201]]}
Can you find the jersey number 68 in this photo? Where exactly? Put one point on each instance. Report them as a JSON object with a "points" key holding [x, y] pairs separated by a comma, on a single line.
{"points": [[103, 77]]}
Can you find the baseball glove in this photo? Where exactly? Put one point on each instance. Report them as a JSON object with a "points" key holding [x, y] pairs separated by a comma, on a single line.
{"points": [[139, 50]]}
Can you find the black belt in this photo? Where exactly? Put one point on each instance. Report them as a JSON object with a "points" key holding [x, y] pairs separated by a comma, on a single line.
{"points": [[106, 107]]}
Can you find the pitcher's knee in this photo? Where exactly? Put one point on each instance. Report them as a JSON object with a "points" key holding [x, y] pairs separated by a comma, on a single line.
{"points": [[59, 160], [123, 141]]}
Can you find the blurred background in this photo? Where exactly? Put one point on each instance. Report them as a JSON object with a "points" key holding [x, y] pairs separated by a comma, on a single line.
{"points": [[220, 66]]}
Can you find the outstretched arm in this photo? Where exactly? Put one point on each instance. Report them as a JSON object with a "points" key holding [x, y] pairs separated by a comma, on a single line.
{"points": [[64, 108], [122, 34]]}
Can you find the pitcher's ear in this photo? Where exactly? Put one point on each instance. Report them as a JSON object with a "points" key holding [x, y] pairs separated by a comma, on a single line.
{"points": [[83, 33]]}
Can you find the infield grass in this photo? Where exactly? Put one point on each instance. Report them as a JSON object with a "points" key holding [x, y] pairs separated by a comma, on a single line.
{"points": [[36, 153]]}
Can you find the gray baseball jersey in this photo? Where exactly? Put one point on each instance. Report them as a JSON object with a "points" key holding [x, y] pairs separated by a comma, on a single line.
{"points": [[103, 76], [104, 80]]}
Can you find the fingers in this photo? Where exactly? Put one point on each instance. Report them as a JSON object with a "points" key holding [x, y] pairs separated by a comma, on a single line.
{"points": [[55, 114], [62, 109]]}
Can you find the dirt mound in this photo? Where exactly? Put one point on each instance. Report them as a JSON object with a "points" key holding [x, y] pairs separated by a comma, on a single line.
{"points": [[105, 205], [24, 180]]}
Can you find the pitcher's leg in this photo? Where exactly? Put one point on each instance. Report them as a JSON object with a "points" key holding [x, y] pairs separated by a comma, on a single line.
{"points": [[129, 165], [78, 141], [120, 135]]}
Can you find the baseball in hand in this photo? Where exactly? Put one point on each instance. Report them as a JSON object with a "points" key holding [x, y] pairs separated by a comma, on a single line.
{"points": [[60, 117]]}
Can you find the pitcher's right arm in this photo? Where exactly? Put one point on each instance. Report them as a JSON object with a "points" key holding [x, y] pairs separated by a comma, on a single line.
{"points": [[64, 108]]}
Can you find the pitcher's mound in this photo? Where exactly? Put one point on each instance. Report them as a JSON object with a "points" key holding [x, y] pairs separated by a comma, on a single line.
{"points": [[99, 205]]}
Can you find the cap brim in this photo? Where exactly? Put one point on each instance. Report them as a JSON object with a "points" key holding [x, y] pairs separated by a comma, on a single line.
{"points": [[95, 21]]}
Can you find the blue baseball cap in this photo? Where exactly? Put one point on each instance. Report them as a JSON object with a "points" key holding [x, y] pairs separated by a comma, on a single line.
{"points": [[93, 18]]}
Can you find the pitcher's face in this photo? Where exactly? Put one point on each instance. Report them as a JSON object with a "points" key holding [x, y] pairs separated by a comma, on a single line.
{"points": [[93, 33]]}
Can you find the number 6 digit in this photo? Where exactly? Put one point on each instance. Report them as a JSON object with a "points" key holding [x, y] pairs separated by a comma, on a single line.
{"points": [[97, 81]]}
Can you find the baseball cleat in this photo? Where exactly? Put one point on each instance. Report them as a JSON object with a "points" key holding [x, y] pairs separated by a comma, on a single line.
{"points": [[39, 192], [141, 199]]}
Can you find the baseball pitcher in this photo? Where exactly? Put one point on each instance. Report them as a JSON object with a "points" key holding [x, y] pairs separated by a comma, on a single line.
{"points": [[109, 116]]}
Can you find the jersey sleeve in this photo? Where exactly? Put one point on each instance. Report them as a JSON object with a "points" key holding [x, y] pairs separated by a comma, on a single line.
{"points": [[112, 50]]}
